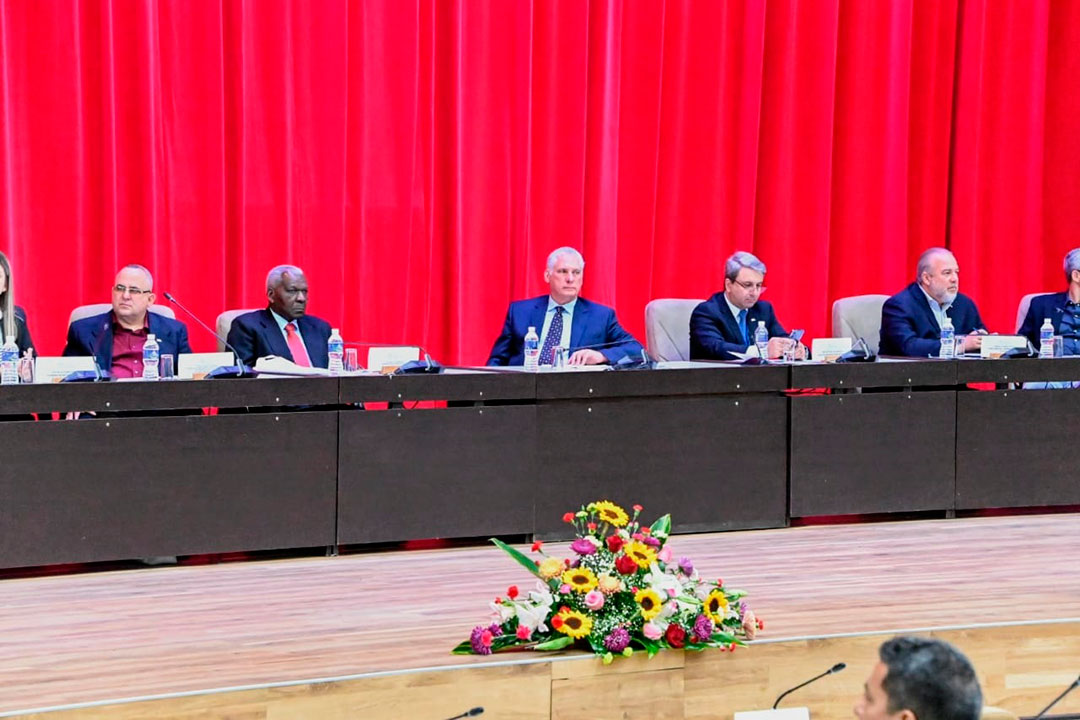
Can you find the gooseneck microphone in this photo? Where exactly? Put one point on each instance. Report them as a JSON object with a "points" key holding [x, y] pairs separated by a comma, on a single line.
{"points": [[1059, 698], [834, 669], [241, 369], [469, 713]]}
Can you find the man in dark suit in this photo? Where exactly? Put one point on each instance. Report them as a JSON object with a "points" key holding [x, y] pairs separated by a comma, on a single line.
{"points": [[911, 320], [116, 338], [563, 318], [284, 328], [725, 323], [1062, 308]]}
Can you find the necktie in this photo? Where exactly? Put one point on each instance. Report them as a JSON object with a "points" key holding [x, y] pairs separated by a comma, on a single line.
{"points": [[554, 337], [742, 326], [296, 346]]}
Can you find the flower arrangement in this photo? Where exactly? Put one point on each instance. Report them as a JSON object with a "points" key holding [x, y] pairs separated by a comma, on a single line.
{"points": [[619, 592]]}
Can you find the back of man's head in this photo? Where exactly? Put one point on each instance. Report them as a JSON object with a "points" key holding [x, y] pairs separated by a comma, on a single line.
{"points": [[931, 678]]}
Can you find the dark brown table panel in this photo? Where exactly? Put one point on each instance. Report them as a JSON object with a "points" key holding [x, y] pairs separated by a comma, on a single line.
{"points": [[721, 379], [1017, 448], [478, 386], [168, 395], [92, 490], [1018, 370], [714, 463], [872, 453], [451, 472], [883, 373]]}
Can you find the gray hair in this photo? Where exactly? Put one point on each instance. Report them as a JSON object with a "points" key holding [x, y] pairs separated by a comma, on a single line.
{"points": [[1072, 262], [741, 260], [7, 300], [274, 277], [923, 266], [931, 678], [559, 252], [143, 270]]}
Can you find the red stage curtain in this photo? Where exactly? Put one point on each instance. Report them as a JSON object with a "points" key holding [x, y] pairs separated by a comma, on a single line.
{"points": [[419, 159]]}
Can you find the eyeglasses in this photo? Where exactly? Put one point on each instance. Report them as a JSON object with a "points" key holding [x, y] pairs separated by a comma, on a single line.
{"points": [[751, 286], [134, 291]]}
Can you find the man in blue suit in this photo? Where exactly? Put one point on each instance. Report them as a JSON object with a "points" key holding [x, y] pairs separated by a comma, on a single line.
{"points": [[563, 318], [725, 323], [284, 328], [1062, 308], [116, 338], [911, 320]]}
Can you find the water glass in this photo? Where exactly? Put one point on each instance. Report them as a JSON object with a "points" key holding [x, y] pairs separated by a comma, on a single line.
{"points": [[352, 364], [1059, 346], [166, 367], [788, 353], [958, 345], [558, 358], [26, 369]]}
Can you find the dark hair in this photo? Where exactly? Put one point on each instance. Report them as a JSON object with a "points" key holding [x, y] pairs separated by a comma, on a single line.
{"points": [[931, 678]]}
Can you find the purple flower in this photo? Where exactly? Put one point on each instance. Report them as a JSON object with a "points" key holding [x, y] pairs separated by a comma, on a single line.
{"points": [[686, 565], [617, 640], [703, 628], [742, 610], [583, 547], [651, 541], [480, 639]]}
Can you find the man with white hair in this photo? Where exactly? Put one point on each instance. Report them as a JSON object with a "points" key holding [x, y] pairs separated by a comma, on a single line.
{"points": [[563, 318], [911, 320], [1063, 309], [284, 328]]}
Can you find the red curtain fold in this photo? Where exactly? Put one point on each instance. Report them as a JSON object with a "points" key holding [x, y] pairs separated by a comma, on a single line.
{"points": [[420, 159]]}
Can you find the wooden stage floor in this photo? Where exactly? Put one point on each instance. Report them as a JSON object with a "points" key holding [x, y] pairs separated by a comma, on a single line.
{"points": [[113, 635]]}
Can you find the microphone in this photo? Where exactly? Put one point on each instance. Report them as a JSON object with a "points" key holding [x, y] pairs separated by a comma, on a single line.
{"points": [[834, 669], [411, 367], [99, 374], [469, 713], [1059, 698], [860, 353], [237, 370]]}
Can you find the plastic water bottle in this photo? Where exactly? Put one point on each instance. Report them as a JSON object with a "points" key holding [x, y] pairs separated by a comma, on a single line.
{"points": [[532, 350], [1046, 339], [761, 340], [335, 348], [948, 334], [151, 353], [9, 362]]}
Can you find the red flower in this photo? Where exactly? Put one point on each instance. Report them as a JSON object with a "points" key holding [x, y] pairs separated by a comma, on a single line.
{"points": [[523, 633], [591, 526], [625, 565], [498, 600], [637, 508], [638, 536], [719, 583], [486, 638], [568, 517], [556, 622], [760, 624], [646, 531], [614, 543], [512, 591], [537, 545], [675, 636], [564, 608]]}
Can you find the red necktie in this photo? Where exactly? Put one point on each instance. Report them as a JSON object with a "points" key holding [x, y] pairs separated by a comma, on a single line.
{"points": [[296, 346]]}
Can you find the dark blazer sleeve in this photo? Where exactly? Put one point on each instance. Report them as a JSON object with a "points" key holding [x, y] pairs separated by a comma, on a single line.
{"points": [[1032, 321], [899, 336], [242, 339], [707, 341], [503, 349], [972, 321], [75, 345], [22, 330], [626, 345], [181, 338]]}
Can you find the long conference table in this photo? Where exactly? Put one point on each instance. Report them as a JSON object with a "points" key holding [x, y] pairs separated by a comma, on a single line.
{"points": [[330, 461]]}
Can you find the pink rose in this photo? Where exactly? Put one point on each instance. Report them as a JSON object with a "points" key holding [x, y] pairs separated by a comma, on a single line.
{"points": [[651, 631], [523, 633], [594, 600], [565, 589]]}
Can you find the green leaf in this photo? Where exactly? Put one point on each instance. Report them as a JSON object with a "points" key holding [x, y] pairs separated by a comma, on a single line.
{"points": [[556, 644], [662, 527], [517, 555], [464, 648], [651, 646]]}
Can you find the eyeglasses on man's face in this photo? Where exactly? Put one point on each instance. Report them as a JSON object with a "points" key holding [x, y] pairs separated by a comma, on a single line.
{"points": [[748, 286], [133, 291]]}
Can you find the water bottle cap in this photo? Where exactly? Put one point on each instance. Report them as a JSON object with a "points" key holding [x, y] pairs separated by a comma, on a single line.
{"points": [[761, 323], [150, 337], [9, 340], [334, 331], [532, 328]]}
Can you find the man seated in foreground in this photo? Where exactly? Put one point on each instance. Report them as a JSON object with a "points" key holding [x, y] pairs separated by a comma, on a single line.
{"points": [[920, 678], [911, 320], [563, 318], [1062, 308]]}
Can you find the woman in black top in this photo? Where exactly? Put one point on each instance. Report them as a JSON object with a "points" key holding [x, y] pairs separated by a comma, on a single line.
{"points": [[12, 317]]}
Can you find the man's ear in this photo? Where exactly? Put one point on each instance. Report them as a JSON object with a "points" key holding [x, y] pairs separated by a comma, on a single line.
{"points": [[906, 714]]}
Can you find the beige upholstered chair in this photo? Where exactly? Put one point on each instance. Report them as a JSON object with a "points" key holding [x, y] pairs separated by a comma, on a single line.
{"points": [[224, 324], [667, 328], [989, 712], [85, 311], [1022, 308], [859, 316]]}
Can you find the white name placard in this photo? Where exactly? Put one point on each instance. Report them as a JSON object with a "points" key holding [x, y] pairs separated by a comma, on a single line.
{"points": [[55, 369], [993, 346], [194, 366], [828, 349]]}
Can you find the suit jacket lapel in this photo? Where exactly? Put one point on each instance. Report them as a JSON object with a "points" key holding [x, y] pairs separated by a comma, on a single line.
{"points": [[734, 332], [275, 341], [924, 304], [536, 315], [101, 337], [579, 323]]}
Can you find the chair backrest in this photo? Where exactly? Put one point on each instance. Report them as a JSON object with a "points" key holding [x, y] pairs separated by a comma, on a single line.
{"points": [[85, 311], [1022, 308], [667, 328], [859, 316], [224, 324]]}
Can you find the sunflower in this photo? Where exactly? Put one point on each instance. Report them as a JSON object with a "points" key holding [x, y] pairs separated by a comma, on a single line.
{"points": [[550, 567], [611, 513], [641, 553], [715, 606], [649, 602], [574, 623], [581, 579]]}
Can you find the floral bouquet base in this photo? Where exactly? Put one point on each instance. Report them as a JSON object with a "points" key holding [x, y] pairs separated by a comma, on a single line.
{"points": [[619, 592]]}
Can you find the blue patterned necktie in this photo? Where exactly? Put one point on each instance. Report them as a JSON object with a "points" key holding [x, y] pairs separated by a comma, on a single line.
{"points": [[554, 337], [742, 326]]}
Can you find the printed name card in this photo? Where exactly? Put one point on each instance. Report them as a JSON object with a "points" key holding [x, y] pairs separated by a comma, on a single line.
{"points": [[194, 366], [993, 346], [55, 369], [828, 349]]}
